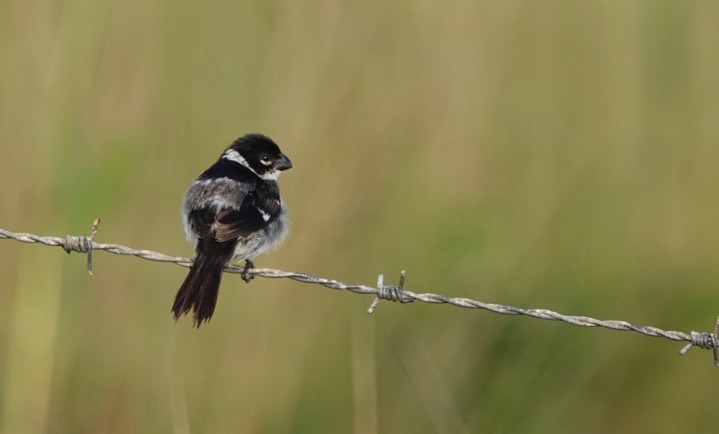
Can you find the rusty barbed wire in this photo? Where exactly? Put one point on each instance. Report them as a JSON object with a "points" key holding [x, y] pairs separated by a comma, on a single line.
{"points": [[86, 245]]}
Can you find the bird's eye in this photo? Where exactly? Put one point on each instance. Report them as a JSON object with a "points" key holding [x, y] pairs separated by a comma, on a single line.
{"points": [[266, 160]]}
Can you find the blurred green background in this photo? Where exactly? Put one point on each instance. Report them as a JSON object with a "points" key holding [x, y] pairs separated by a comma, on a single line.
{"points": [[558, 155]]}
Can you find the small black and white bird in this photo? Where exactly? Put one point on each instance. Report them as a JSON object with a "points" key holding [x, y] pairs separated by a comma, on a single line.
{"points": [[233, 211]]}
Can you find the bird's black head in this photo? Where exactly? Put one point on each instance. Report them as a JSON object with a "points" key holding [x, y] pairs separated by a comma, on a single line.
{"points": [[259, 154]]}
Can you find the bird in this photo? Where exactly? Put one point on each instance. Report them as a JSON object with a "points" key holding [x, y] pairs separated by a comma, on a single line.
{"points": [[232, 212]]}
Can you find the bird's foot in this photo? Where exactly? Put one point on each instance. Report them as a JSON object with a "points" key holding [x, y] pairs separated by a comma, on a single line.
{"points": [[246, 275]]}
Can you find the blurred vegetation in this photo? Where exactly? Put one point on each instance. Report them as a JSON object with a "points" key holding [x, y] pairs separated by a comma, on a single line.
{"points": [[544, 154]]}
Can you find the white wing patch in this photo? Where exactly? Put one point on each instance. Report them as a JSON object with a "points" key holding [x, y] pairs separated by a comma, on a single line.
{"points": [[265, 216]]}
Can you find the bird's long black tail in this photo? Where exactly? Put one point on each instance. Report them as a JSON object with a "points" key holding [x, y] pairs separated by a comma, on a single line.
{"points": [[199, 290]]}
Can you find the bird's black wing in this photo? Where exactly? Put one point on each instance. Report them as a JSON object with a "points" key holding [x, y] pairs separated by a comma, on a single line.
{"points": [[259, 208]]}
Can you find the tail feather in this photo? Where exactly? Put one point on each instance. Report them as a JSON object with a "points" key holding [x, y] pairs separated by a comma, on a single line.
{"points": [[200, 288]]}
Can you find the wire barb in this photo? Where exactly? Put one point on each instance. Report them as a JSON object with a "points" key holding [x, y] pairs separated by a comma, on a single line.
{"points": [[89, 240], [81, 244], [389, 292], [381, 292], [705, 341]]}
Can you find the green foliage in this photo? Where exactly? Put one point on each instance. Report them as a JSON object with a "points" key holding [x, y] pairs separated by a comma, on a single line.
{"points": [[542, 154]]}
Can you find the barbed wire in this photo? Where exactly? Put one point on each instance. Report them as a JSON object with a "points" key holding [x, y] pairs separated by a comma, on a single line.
{"points": [[86, 245]]}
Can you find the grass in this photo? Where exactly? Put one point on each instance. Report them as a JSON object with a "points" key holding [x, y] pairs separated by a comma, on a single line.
{"points": [[544, 155]]}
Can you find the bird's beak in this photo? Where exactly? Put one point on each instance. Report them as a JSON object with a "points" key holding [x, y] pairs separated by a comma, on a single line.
{"points": [[283, 163]]}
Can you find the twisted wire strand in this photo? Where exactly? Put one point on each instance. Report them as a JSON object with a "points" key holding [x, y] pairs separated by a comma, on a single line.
{"points": [[86, 245]]}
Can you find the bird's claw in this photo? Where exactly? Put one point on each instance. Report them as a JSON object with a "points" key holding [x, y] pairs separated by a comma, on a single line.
{"points": [[246, 275]]}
